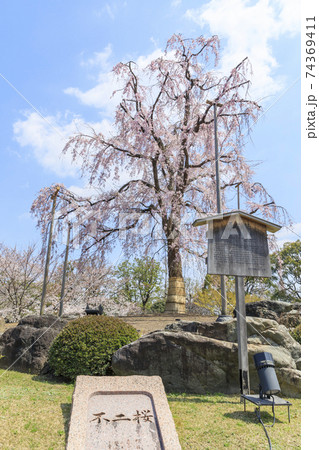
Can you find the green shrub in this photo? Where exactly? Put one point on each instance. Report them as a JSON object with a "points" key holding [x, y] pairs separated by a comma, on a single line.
{"points": [[157, 307], [296, 333], [86, 345]]}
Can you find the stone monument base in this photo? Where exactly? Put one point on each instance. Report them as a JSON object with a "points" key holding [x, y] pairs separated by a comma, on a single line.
{"points": [[121, 413], [176, 297]]}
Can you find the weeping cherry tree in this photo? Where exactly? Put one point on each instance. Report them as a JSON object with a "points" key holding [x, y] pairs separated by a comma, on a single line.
{"points": [[156, 172]]}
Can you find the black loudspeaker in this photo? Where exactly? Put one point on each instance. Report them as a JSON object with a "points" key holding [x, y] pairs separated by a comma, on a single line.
{"points": [[267, 376]]}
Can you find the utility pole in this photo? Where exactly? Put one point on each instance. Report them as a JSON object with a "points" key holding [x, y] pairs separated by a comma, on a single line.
{"points": [[64, 269], [219, 210], [47, 261]]}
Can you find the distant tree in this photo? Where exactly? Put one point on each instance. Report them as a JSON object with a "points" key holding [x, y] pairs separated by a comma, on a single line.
{"points": [[87, 279], [20, 280], [208, 296], [140, 280], [191, 289], [285, 282], [90, 281], [258, 288]]}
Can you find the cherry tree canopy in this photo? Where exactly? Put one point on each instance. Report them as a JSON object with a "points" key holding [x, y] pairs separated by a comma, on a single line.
{"points": [[156, 173]]}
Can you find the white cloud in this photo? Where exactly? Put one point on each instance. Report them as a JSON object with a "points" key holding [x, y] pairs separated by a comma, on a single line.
{"points": [[106, 9], [248, 30], [87, 191], [110, 11], [46, 142], [47, 136], [289, 16], [102, 96], [176, 3], [288, 234], [99, 59], [143, 60]]}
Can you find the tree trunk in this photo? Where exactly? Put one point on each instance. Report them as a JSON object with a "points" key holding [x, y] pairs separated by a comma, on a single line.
{"points": [[174, 260], [176, 298]]}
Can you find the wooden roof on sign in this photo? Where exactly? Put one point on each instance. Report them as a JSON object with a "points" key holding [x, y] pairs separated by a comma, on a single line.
{"points": [[270, 226]]}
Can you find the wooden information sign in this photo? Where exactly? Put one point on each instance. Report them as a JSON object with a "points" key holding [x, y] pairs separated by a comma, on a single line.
{"points": [[237, 244]]}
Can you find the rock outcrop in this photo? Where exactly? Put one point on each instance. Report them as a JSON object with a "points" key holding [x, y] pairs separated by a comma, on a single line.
{"points": [[285, 313], [202, 357], [25, 347]]}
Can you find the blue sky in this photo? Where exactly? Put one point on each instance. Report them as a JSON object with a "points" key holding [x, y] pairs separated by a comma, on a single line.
{"points": [[58, 56]]}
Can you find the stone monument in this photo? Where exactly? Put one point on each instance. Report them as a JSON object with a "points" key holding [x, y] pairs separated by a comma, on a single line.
{"points": [[127, 413]]}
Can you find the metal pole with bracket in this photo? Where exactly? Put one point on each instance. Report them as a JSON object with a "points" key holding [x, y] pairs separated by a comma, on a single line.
{"points": [[48, 256], [222, 277]]}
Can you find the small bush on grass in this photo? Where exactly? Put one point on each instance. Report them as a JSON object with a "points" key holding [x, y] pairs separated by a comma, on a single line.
{"points": [[86, 345]]}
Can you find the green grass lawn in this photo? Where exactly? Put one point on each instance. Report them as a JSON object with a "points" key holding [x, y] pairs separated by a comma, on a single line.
{"points": [[35, 412]]}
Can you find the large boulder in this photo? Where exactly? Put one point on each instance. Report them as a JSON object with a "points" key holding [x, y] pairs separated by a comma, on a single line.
{"points": [[25, 347], [202, 357], [285, 313], [291, 319], [260, 331]]}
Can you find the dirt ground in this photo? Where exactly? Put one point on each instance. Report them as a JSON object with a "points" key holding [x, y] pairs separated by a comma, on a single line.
{"points": [[147, 324], [5, 326]]}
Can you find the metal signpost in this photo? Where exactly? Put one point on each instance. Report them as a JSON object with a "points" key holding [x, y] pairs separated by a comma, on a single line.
{"points": [[223, 292], [243, 365], [237, 246]]}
